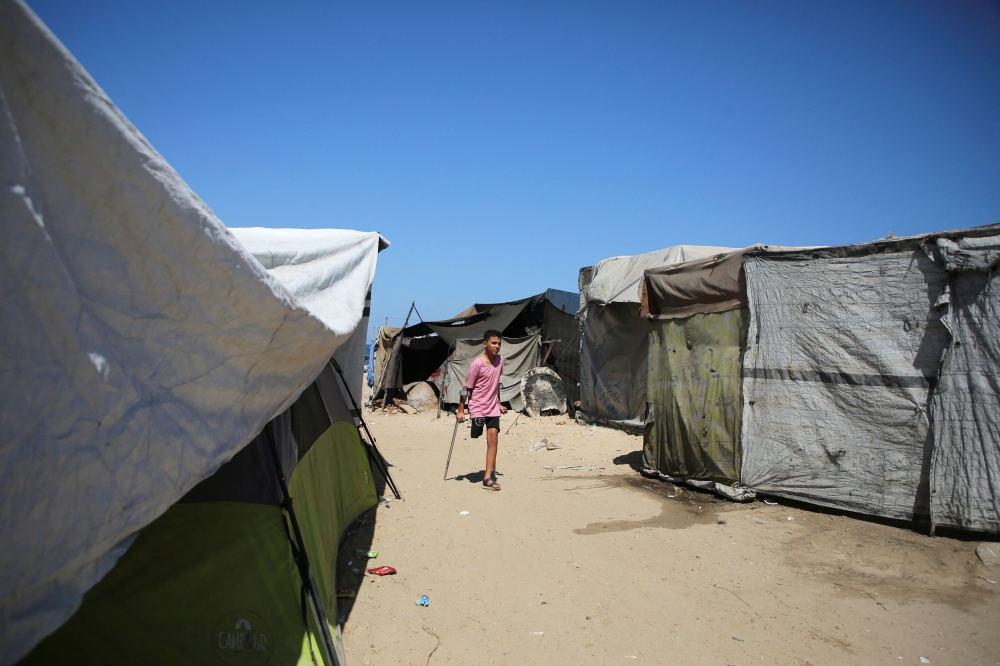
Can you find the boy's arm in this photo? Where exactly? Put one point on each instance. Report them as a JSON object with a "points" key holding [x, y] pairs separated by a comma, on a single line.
{"points": [[470, 380], [460, 414]]}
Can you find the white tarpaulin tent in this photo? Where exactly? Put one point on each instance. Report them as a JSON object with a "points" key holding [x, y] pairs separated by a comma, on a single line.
{"points": [[325, 270], [143, 345], [843, 371], [613, 361]]}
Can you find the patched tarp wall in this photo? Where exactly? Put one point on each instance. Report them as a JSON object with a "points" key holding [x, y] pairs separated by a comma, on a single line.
{"points": [[843, 348], [965, 466], [519, 356], [615, 340], [147, 348], [695, 369], [383, 356], [613, 363], [697, 333]]}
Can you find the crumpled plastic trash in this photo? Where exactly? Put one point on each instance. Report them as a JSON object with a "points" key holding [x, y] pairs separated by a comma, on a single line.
{"points": [[366, 554], [544, 444], [382, 571], [423, 601]]}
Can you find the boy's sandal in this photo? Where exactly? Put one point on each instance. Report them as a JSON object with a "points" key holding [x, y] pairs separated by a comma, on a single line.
{"points": [[491, 484]]}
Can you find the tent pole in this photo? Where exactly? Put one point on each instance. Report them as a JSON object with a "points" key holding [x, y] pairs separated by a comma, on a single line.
{"points": [[381, 462], [394, 352], [305, 573]]}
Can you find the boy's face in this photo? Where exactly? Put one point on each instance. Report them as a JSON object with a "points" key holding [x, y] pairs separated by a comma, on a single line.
{"points": [[492, 346]]}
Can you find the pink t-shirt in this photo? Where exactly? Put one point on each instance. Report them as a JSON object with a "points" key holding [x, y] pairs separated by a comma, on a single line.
{"points": [[484, 380]]}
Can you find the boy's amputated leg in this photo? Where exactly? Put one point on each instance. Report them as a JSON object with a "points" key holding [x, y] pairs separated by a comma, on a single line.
{"points": [[492, 437]]}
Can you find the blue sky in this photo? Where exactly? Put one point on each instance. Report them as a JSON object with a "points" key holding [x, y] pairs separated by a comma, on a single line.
{"points": [[502, 146]]}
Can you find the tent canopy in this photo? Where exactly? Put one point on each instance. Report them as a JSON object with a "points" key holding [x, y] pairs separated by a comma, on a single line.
{"points": [[497, 316], [616, 280], [149, 346], [706, 285]]}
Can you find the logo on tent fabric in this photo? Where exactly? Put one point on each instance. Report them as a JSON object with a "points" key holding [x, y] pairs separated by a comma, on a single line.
{"points": [[243, 638]]}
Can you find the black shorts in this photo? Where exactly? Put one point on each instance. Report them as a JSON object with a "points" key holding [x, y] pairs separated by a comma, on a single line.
{"points": [[481, 423]]}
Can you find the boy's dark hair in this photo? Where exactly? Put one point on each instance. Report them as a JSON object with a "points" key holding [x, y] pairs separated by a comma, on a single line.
{"points": [[492, 333]]}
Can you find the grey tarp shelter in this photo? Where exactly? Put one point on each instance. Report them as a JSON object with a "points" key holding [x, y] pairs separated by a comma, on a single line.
{"points": [[615, 340], [144, 348], [697, 331], [869, 379]]}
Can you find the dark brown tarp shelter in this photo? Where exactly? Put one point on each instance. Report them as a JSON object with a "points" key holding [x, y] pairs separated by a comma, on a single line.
{"points": [[419, 352]]}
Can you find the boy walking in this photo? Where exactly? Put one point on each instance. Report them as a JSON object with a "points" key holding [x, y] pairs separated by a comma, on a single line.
{"points": [[482, 386]]}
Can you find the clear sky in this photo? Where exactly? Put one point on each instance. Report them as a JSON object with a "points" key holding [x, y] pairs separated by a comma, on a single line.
{"points": [[502, 146]]}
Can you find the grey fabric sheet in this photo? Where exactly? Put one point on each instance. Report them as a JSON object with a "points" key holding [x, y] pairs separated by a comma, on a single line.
{"points": [[842, 351], [565, 356], [965, 466], [613, 363]]}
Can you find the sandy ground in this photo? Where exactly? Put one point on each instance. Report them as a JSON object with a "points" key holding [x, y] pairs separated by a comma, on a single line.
{"points": [[603, 566]]}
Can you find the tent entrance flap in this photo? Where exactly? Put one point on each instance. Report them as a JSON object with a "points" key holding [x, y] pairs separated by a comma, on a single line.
{"points": [[695, 408], [965, 466], [613, 364]]}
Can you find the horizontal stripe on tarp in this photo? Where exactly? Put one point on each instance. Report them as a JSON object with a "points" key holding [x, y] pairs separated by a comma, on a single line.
{"points": [[834, 377], [367, 311]]}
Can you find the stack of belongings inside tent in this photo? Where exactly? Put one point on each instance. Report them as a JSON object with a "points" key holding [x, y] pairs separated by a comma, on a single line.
{"points": [[615, 340], [537, 331], [867, 376], [167, 395]]}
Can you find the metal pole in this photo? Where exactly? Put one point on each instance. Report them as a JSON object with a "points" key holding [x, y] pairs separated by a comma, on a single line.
{"points": [[381, 462], [452, 448], [394, 352]]}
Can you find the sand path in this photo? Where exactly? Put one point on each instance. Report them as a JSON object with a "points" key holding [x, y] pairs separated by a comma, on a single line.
{"points": [[603, 566]]}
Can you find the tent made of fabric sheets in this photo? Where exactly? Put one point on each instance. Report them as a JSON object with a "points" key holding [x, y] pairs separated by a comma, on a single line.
{"points": [[422, 350], [615, 340], [697, 332], [144, 346], [870, 377]]}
